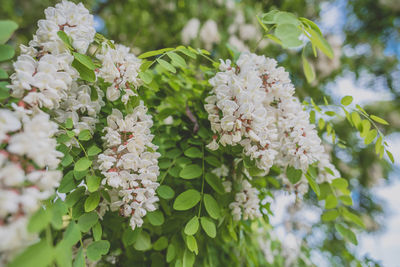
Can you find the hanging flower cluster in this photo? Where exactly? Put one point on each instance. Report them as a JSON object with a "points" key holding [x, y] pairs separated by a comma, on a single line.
{"points": [[129, 164], [253, 104], [28, 156], [120, 68], [28, 175], [43, 72], [247, 203], [79, 106]]}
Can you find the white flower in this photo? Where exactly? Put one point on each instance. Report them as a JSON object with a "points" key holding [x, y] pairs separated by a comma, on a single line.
{"points": [[253, 104], [246, 204], [121, 69], [9, 122], [209, 33], [129, 165], [189, 32]]}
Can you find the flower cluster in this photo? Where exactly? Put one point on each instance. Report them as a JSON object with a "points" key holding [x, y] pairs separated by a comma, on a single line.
{"points": [[79, 106], [208, 33], [253, 104], [246, 203], [73, 19], [43, 78], [129, 164], [43, 72], [120, 68], [28, 175]]}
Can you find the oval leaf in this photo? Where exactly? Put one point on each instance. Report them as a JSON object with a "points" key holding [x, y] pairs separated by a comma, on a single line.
{"points": [[187, 200]]}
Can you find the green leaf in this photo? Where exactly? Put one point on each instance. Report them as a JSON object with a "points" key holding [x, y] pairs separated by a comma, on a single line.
{"points": [[39, 255], [80, 259], [193, 152], [84, 72], [39, 220], [371, 135], [353, 218], [84, 135], [288, 34], [146, 76], [379, 120], [190, 171], [177, 60], [356, 120], [188, 259], [6, 52], [191, 243], [215, 182], [166, 65], [346, 233], [143, 242], [130, 236], [311, 25], [84, 60], [161, 243], [319, 41], [58, 209], [93, 150], [72, 234], [87, 220], [340, 183], [154, 53], [346, 100], [208, 226], [4, 91], [269, 18], [94, 96], [98, 248], [390, 155], [165, 192], [283, 17], [80, 175], [82, 164], [93, 183], [331, 202], [213, 161], [69, 123], [67, 183], [313, 184], [212, 206], [347, 200], [187, 200], [64, 37], [365, 125], [156, 218], [92, 201], [97, 231], [187, 52], [378, 145], [72, 198], [330, 215], [192, 226], [7, 28], [170, 253], [308, 70], [3, 73], [293, 174]]}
